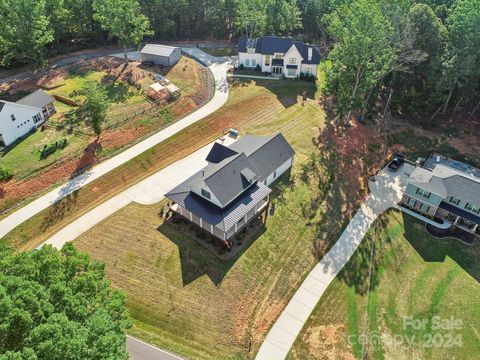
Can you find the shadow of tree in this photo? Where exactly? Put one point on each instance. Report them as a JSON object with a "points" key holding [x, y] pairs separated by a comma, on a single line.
{"points": [[58, 210]]}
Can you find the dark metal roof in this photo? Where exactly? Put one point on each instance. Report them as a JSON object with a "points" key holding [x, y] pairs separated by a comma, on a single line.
{"points": [[37, 99], [218, 153], [462, 213], [223, 219], [2, 104], [277, 62], [268, 45], [290, 66]]}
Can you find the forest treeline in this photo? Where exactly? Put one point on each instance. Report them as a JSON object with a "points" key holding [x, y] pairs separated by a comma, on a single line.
{"points": [[408, 56]]}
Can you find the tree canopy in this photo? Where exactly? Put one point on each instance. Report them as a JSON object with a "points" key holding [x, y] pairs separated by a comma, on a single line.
{"points": [[95, 106], [57, 305]]}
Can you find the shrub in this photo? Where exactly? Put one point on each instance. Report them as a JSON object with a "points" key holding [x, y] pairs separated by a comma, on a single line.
{"points": [[5, 173], [258, 68], [241, 67], [49, 149]]}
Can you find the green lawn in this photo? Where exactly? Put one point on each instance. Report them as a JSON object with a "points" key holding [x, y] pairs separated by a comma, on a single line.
{"points": [[220, 51], [417, 277]]}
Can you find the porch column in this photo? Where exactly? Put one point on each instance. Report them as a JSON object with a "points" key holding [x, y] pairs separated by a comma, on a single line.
{"points": [[475, 228], [201, 222], [456, 220], [236, 227], [211, 229], [190, 215]]}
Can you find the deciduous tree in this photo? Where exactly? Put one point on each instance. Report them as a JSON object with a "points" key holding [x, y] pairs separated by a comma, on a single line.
{"points": [[56, 305], [123, 20], [95, 106]]}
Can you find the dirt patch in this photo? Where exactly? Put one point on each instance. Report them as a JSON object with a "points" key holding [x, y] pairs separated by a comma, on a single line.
{"points": [[324, 342], [265, 321], [243, 314]]}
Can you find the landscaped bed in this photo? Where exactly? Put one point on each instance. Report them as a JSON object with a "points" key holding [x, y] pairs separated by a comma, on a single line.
{"points": [[418, 282], [453, 233]]}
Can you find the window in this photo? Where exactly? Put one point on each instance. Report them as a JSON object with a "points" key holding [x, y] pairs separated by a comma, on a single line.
{"points": [[275, 174], [13, 117], [247, 62], [292, 61], [454, 201], [205, 194], [267, 60], [411, 202], [424, 207], [291, 72], [308, 71], [277, 56], [423, 193], [254, 63], [36, 118], [250, 51], [473, 208]]}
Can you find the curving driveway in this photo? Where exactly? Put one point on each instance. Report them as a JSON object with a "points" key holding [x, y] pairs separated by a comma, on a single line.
{"points": [[385, 193], [218, 67]]}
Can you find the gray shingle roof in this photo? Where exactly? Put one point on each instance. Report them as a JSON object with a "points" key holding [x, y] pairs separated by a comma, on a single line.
{"points": [[2, 104], [38, 99], [268, 45], [218, 153], [267, 154], [159, 50], [462, 188]]}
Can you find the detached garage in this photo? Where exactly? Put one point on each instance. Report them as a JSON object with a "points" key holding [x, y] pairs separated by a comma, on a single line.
{"points": [[161, 54]]}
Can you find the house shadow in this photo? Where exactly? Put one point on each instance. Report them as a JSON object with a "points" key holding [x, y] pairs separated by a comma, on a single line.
{"points": [[196, 260], [286, 91], [433, 249]]}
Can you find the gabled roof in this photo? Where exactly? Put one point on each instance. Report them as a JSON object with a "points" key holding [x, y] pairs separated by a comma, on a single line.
{"points": [[462, 188], [268, 45], [218, 153], [267, 154], [37, 99], [160, 50]]}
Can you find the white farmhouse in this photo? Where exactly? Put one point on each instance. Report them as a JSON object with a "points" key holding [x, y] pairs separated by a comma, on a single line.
{"points": [[17, 120], [278, 55]]}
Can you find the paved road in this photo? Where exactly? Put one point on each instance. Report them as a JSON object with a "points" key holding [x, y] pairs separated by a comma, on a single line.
{"points": [[385, 193], [149, 191], [218, 66], [140, 350]]}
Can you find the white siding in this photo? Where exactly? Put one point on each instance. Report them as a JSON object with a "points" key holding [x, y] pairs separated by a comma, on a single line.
{"points": [[198, 190], [243, 57], [312, 68], [280, 170], [292, 54], [23, 124]]}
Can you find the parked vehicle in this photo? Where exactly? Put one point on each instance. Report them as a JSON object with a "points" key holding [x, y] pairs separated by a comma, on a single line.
{"points": [[397, 162]]}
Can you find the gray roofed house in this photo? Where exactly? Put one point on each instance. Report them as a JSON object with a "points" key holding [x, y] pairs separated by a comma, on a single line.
{"points": [[40, 99], [233, 188], [279, 55], [161, 54], [446, 189]]}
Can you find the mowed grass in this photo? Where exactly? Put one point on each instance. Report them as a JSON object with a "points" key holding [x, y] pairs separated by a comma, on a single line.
{"points": [[247, 103], [185, 299], [419, 277]]}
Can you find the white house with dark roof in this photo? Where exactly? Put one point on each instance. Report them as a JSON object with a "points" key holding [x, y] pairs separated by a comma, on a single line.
{"points": [[161, 54], [19, 118], [279, 55], [233, 188], [446, 189]]}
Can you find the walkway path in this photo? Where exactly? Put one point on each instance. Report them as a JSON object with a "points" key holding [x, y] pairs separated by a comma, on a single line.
{"points": [[147, 192], [385, 193], [218, 66], [139, 350]]}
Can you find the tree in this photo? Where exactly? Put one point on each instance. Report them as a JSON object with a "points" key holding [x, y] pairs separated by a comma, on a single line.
{"points": [[123, 20], [282, 16], [60, 18], [251, 17], [461, 76], [24, 31], [56, 305], [95, 106], [362, 54]]}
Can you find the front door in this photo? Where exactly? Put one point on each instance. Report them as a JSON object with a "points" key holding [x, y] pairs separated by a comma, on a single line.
{"points": [[277, 70]]}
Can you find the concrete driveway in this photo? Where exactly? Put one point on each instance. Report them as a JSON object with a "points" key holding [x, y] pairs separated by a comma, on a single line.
{"points": [[385, 193], [219, 70], [147, 192]]}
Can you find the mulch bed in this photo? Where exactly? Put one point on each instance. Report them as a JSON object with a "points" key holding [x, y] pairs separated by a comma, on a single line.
{"points": [[452, 232]]}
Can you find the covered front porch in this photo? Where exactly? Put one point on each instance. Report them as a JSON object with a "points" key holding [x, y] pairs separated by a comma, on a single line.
{"points": [[459, 218]]}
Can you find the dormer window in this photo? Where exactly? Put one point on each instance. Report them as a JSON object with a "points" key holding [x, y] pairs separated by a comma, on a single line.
{"points": [[250, 51], [278, 56], [292, 61], [206, 194]]}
